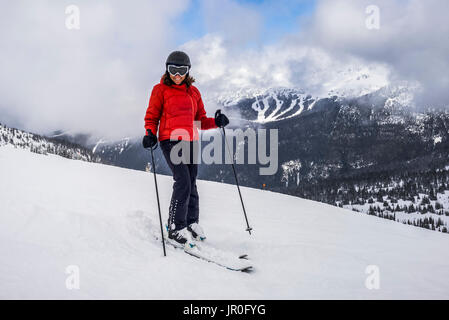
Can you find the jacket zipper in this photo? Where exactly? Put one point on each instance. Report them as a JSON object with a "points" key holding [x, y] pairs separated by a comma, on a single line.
{"points": [[193, 115]]}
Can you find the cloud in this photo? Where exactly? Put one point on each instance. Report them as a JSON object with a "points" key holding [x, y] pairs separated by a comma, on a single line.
{"points": [[224, 64], [220, 71], [334, 51], [96, 79], [411, 40], [238, 24]]}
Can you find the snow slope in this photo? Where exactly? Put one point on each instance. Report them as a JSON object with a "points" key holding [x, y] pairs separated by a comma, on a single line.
{"points": [[56, 212]]}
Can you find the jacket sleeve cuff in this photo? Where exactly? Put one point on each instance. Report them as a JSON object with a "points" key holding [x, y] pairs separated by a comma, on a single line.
{"points": [[208, 123]]}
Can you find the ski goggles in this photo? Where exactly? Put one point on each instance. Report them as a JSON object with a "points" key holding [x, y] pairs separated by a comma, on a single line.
{"points": [[174, 70]]}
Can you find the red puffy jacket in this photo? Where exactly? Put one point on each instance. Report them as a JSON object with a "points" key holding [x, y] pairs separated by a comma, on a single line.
{"points": [[176, 107]]}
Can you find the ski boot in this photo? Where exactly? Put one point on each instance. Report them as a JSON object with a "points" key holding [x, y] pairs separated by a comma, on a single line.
{"points": [[196, 231], [180, 238]]}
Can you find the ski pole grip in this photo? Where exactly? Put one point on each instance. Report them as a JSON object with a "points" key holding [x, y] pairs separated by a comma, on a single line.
{"points": [[217, 113]]}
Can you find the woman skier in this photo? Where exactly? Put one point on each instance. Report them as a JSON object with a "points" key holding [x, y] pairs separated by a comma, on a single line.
{"points": [[174, 106]]}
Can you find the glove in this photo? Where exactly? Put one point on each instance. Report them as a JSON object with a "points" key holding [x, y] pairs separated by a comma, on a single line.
{"points": [[220, 119], [150, 140]]}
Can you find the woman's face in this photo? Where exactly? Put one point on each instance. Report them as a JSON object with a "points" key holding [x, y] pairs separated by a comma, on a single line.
{"points": [[177, 78]]}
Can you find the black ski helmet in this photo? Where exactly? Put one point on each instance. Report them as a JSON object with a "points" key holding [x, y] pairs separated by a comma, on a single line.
{"points": [[178, 58]]}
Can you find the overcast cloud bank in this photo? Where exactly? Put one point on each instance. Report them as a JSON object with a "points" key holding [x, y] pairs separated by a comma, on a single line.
{"points": [[98, 79]]}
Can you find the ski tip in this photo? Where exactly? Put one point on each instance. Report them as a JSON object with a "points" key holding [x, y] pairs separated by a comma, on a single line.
{"points": [[247, 269]]}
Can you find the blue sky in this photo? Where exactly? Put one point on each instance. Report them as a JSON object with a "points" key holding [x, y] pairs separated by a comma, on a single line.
{"points": [[278, 18]]}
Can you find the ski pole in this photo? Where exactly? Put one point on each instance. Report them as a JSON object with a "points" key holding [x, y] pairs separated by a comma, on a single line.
{"points": [[235, 175], [158, 203]]}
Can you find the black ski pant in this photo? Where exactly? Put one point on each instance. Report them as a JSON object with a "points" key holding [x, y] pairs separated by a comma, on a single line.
{"points": [[184, 204]]}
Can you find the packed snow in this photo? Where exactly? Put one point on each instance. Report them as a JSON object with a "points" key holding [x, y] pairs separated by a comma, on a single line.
{"points": [[62, 218]]}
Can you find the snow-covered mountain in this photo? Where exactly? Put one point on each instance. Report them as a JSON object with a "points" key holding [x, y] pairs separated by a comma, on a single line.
{"points": [[95, 222], [268, 105], [45, 145], [274, 104]]}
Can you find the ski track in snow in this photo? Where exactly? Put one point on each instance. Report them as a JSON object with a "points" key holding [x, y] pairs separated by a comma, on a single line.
{"points": [[56, 212]]}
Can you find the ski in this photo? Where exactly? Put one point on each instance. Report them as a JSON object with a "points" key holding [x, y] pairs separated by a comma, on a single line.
{"points": [[220, 258], [202, 245], [230, 266], [206, 252]]}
